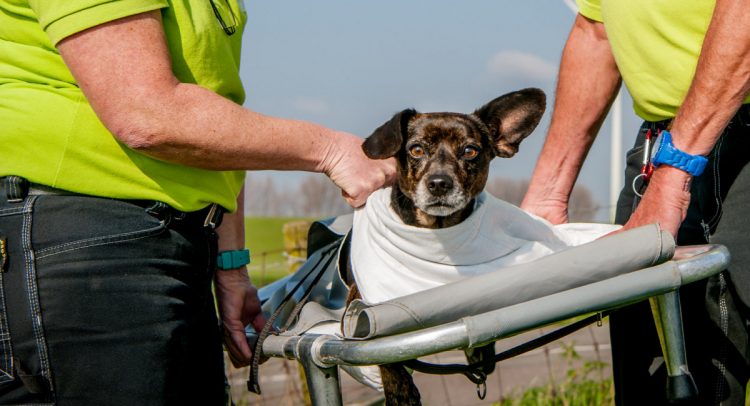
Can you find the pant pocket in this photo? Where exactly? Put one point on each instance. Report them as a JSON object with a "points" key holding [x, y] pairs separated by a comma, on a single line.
{"points": [[6, 350]]}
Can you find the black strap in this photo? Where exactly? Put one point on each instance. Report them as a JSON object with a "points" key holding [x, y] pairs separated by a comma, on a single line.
{"points": [[474, 371], [253, 383], [292, 318], [16, 188]]}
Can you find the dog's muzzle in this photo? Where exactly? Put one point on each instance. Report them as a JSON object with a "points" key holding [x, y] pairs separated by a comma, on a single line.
{"points": [[437, 195]]}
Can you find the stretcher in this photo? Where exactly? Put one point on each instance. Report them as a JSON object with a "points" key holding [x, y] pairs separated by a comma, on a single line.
{"points": [[308, 320]]}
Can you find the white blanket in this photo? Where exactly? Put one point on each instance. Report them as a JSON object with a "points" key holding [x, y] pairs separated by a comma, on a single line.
{"points": [[391, 259]]}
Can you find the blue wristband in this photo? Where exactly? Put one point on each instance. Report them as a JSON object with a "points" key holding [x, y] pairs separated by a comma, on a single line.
{"points": [[666, 153], [232, 259]]}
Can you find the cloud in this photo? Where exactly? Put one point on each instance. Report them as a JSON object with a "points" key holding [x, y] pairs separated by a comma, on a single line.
{"points": [[520, 65], [310, 105]]}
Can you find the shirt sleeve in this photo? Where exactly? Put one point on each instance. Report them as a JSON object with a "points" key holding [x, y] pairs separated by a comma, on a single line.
{"points": [[63, 18], [590, 9]]}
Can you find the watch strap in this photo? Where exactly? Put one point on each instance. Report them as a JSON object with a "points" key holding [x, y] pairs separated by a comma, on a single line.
{"points": [[667, 154], [232, 259]]}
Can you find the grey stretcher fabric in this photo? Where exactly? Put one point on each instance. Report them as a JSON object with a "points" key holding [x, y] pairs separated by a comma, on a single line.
{"points": [[598, 260]]}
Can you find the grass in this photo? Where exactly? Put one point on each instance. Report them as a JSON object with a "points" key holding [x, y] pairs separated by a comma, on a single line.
{"points": [[264, 237], [583, 386]]}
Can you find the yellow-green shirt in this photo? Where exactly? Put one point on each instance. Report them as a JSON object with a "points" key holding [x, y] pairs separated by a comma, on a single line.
{"points": [[50, 135], [656, 45]]}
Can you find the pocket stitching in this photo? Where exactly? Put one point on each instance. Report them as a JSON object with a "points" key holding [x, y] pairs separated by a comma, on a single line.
{"points": [[6, 372], [97, 241]]}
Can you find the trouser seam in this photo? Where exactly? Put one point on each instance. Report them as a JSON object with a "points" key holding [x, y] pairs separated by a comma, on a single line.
{"points": [[722, 358], [717, 184], [33, 293], [6, 374]]}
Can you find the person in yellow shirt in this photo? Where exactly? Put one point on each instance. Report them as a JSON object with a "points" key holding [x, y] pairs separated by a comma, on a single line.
{"points": [[687, 67], [123, 148]]}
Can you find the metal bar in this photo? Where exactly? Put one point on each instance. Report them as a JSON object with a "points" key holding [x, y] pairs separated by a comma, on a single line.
{"points": [[701, 261], [322, 381], [615, 292], [668, 319]]}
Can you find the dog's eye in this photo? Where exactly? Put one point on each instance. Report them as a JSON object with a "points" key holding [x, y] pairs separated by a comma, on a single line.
{"points": [[470, 152], [416, 151]]}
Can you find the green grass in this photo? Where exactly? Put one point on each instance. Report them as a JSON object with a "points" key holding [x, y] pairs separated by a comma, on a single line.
{"points": [[264, 235], [584, 393], [583, 385]]}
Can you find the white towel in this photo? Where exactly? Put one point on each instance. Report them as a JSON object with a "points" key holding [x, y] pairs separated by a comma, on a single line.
{"points": [[391, 259]]}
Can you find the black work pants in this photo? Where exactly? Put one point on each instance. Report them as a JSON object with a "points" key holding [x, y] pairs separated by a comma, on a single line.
{"points": [[715, 311], [105, 302]]}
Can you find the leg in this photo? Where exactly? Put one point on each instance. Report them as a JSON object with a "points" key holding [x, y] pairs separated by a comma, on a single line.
{"points": [[398, 386], [637, 363], [728, 298], [124, 310], [638, 367]]}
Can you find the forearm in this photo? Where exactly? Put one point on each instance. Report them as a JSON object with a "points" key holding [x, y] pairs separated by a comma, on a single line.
{"points": [[130, 85], [232, 230], [587, 84], [721, 81], [236, 297], [194, 126]]}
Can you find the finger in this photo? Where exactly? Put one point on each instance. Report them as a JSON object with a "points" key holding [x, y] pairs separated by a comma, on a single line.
{"points": [[259, 322], [237, 348], [352, 201]]}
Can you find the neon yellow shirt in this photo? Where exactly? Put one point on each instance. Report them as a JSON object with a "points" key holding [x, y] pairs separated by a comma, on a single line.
{"points": [[50, 135], [656, 45]]}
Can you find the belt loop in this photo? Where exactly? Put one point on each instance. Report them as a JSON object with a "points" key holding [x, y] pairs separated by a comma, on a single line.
{"points": [[16, 188], [161, 211], [213, 218]]}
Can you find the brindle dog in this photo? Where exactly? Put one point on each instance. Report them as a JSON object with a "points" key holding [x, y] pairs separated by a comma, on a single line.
{"points": [[443, 160]]}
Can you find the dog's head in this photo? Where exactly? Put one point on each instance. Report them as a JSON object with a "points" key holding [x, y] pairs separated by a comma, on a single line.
{"points": [[443, 158]]}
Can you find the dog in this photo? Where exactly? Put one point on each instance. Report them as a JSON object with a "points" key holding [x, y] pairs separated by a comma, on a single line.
{"points": [[443, 162]]}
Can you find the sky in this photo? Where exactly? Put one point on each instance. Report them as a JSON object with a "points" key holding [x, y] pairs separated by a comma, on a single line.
{"points": [[352, 64]]}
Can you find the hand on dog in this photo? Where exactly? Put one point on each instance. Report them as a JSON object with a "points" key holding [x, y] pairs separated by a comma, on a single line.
{"points": [[239, 306], [356, 174]]}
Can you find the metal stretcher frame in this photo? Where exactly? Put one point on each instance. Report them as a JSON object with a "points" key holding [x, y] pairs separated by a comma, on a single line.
{"points": [[320, 355]]}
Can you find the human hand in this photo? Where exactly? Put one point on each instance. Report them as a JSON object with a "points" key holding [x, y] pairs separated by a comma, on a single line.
{"points": [[239, 306], [554, 211], [665, 201], [356, 174]]}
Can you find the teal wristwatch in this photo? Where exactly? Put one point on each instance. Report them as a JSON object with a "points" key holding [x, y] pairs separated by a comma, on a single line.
{"points": [[666, 153], [232, 259]]}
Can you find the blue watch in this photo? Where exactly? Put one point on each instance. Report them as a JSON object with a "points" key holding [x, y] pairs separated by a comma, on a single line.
{"points": [[666, 153], [232, 259]]}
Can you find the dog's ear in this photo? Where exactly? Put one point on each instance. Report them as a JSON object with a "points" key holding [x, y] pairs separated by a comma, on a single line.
{"points": [[511, 118], [386, 140]]}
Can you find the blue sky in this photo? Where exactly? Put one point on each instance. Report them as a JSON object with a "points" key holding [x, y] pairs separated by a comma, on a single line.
{"points": [[351, 64]]}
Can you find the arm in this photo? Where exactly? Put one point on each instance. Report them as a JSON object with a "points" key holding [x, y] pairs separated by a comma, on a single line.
{"points": [[587, 85], [144, 105], [236, 297], [720, 84]]}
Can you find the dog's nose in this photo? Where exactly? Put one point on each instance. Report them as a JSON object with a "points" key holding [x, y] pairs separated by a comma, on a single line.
{"points": [[439, 185]]}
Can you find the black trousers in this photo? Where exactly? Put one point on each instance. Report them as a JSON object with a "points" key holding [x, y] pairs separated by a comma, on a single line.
{"points": [[105, 302], [715, 311]]}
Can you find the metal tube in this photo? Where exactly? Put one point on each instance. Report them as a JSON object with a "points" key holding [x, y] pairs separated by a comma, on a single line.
{"points": [[701, 261], [480, 329], [668, 319], [322, 382]]}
